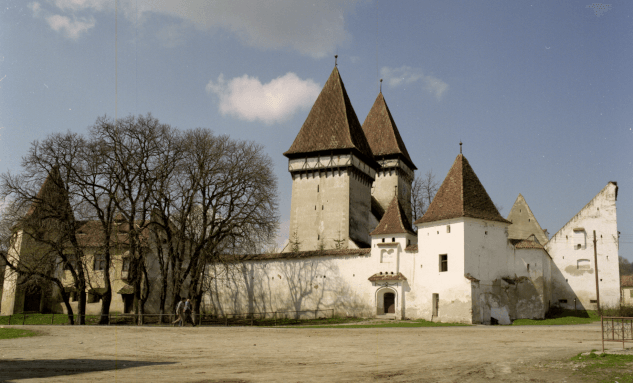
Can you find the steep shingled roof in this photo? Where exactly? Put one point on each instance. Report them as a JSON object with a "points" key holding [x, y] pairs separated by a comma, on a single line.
{"points": [[51, 199], [394, 221], [461, 195], [382, 134], [331, 125], [524, 223]]}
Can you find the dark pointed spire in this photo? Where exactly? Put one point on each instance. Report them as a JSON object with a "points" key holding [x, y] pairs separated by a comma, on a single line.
{"points": [[332, 125], [383, 135], [461, 195], [394, 221]]}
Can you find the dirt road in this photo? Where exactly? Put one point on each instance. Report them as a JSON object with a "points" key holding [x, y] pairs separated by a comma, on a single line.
{"points": [[210, 354]]}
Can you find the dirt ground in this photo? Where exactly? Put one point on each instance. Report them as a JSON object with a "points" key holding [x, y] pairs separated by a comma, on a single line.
{"points": [[245, 354]]}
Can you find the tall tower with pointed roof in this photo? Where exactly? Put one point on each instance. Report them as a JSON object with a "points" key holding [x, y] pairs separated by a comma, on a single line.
{"points": [[332, 169], [396, 171]]}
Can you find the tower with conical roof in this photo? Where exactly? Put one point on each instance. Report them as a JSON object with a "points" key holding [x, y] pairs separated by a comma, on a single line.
{"points": [[396, 170], [332, 169]]}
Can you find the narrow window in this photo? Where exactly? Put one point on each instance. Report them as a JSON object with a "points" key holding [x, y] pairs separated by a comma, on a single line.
{"points": [[318, 237], [593, 301], [443, 262], [580, 241], [99, 262], [528, 267], [436, 304], [321, 207], [408, 242], [393, 240], [448, 228], [562, 301], [317, 188], [383, 240]]}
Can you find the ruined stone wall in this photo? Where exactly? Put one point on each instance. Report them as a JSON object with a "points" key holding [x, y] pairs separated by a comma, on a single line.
{"points": [[572, 251]]}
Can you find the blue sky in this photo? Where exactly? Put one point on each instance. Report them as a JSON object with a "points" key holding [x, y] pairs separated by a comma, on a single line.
{"points": [[540, 92]]}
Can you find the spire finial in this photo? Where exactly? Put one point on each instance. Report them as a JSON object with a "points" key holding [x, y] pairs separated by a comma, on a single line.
{"points": [[460, 146], [335, 60], [380, 85]]}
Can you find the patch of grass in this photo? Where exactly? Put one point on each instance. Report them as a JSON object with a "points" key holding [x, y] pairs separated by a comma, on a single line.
{"points": [[605, 367], [34, 319], [10, 333], [412, 323], [562, 317]]}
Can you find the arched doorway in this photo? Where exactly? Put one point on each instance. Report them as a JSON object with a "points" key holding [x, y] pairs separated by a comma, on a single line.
{"points": [[389, 303]]}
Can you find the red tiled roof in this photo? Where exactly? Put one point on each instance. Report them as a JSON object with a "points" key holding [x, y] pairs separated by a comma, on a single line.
{"points": [[382, 134], [297, 255], [90, 234], [394, 221], [50, 197], [461, 195], [411, 249], [626, 280], [332, 125], [387, 277]]}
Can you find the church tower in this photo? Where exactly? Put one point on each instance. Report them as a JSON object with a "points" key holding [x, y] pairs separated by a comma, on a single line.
{"points": [[332, 169], [396, 171]]}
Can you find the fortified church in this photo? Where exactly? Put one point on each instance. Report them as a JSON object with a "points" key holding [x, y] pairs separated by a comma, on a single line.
{"points": [[352, 247], [354, 252]]}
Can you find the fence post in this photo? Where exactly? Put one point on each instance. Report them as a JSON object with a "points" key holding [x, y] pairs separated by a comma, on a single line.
{"points": [[622, 320], [9, 319], [275, 318], [226, 320], [52, 317], [23, 318]]}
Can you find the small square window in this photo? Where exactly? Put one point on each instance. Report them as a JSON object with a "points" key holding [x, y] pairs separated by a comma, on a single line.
{"points": [[562, 301], [443, 262], [593, 301]]}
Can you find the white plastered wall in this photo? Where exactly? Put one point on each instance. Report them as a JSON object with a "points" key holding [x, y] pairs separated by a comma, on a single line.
{"points": [[573, 271]]}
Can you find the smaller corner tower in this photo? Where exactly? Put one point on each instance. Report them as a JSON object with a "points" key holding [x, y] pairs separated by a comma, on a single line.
{"points": [[332, 169], [396, 171]]}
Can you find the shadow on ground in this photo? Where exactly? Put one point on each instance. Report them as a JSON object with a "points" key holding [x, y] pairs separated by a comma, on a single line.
{"points": [[16, 369]]}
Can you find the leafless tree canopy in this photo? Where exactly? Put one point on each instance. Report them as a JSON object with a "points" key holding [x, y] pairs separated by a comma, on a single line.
{"points": [[179, 199], [423, 190], [626, 267]]}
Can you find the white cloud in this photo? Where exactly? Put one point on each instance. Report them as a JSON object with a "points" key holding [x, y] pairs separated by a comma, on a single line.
{"points": [[248, 99], [312, 28], [71, 28], [407, 75]]}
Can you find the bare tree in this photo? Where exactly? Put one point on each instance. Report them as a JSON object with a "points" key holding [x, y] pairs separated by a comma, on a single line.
{"points": [[43, 241], [423, 190], [626, 268]]}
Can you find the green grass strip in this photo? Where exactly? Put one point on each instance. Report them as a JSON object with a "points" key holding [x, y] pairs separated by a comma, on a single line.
{"points": [[606, 367], [565, 317], [10, 333]]}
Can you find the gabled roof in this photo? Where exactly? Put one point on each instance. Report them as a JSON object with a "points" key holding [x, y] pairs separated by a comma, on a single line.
{"points": [[461, 195], [331, 125], [382, 134], [394, 221], [524, 223], [51, 200]]}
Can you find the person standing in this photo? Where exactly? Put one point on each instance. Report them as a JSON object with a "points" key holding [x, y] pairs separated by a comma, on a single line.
{"points": [[188, 312], [180, 312]]}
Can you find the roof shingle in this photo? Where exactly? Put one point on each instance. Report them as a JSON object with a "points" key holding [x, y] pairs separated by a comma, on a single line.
{"points": [[332, 125], [461, 195], [382, 134], [394, 221]]}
